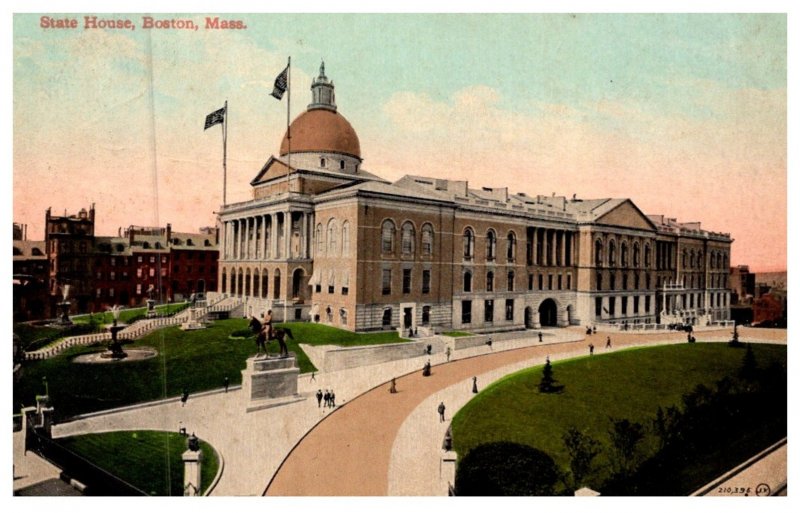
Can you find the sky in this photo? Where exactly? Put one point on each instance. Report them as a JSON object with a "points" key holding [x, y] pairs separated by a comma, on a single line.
{"points": [[683, 113]]}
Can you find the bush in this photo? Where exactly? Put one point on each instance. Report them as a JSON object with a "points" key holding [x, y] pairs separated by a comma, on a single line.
{"points": [[506, 469]]}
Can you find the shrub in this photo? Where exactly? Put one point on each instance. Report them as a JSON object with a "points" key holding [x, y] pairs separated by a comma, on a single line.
{"points": [[506, 469]]}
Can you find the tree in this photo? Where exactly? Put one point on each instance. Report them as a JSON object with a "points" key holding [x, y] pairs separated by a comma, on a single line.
{"points": [[625, 437], [548, 383], [582, 449], [506, 469]]}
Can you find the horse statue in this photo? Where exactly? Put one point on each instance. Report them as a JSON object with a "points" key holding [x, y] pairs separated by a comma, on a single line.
{"points": [[278, 334]]}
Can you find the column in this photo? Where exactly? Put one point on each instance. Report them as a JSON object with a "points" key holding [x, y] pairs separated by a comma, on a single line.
{"points": [[563, 236], [273, 239], [287, 233], [545, 247], [534, 245], [264, 247], [304, 235]]}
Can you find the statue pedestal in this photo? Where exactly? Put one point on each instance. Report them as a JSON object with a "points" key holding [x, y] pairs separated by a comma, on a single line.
{"points": [[270, 381]]}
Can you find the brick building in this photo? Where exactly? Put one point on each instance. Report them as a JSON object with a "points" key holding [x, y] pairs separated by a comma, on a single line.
{"points": [[102, 271], [324, 239]]}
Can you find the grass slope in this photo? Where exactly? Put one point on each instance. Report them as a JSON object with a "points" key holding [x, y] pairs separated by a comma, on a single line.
{"points": [[628, 384], [139, 458], [195, 360]]}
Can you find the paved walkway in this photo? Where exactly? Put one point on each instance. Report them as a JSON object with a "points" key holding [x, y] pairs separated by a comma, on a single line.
{"points": [[353, 450]]}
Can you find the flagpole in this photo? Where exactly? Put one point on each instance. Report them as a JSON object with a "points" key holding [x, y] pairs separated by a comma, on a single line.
{"points": [[225, 155], [288, 123]]}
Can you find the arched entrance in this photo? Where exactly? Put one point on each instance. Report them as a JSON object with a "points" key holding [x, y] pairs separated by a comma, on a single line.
{"points": [[297, 284], [529, 317], [548, 313]]}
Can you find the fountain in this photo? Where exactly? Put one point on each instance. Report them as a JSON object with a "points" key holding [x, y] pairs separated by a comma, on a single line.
{"points": [[64, 307], [115, 346]]}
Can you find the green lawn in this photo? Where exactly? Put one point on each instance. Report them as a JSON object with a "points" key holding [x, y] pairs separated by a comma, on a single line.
{"points": [[138, 457], [192, 360], [629, 384], [129, 313]]}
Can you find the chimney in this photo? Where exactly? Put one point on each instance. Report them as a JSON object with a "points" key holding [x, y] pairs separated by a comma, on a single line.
{"points": [[169, 233]]}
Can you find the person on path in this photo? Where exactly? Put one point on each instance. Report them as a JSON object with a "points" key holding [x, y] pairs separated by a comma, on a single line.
{"points": [[333, 399], [540, 336], [184, 397], [594, 330], [474, 384], [327, 398], [441, 409], [447, 353], [591, 349], [226, 382], [319, 398], [489, 343], [393, 387], [313, 376], [608, 342]]}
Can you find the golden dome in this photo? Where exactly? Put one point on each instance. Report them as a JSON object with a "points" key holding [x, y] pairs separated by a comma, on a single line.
{"points": [[323, 131]]}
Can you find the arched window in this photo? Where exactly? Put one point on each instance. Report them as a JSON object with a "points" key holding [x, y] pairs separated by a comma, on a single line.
{"points": [[468, 281], [636, 260], [511, 248], [700, 259], [623, 250], [426, 315], [323, 162], [491, 245], [612, 253], [387, 236], [345, 238], [685, 259], [427, 239], [407, 238], [598, 253], [647, 257], [691, 259], [469, 244], [599, 281], [647, 281], [332, 237], [320, 240], [510, 281], [490, 281]]}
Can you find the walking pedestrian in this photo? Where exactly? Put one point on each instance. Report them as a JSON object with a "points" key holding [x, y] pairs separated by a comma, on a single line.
{"points": [[333, 399], [591, 349], [319, 398], [393, 387], [327, 398], [447, 353], [608, 342], [441, 409], [489, 343], [594, 330], [474, 384], [313, 376], [184, 397], [540, 336], [226, 382]]}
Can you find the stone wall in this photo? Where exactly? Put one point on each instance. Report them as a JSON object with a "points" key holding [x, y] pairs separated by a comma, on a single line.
{"points": [[349, 357]]}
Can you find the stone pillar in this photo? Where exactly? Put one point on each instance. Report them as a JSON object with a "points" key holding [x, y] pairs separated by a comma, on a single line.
{"points": [[287, 234], [533, 246], [44, 414], [274, 236], [304, 235], [535, 319], [192, 464], [264, 246], [563, 247], [545, 247], [240, 241]]}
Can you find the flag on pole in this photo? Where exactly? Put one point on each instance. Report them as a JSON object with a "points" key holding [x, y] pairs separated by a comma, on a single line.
{"points": [[215, 118], [280, 84]]}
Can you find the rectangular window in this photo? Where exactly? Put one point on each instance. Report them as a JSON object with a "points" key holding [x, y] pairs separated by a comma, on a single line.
{"points": [[113, 275], [509, 309], [152, 272], [549, 282], [345, 290], [612, 303], [152, 259], [318, 287], [541, 282], [98, 292], [110, 292], [139, 259], [647, 304], [559, 282], [488, 310], [406, 281], [530, 282], [138, 288], [386, 282], [569, 282], [598, 307], [466, 312], [624, 306], [636, 305], [139, 272], [113, 261], [331, 289], [426, 281]]}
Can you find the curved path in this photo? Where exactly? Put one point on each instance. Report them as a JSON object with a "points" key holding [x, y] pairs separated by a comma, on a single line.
{"points": [[349, 453]]}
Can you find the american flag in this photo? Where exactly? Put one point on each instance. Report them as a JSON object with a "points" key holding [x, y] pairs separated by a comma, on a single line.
{"points": [[215, 118], [280, 84]]}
